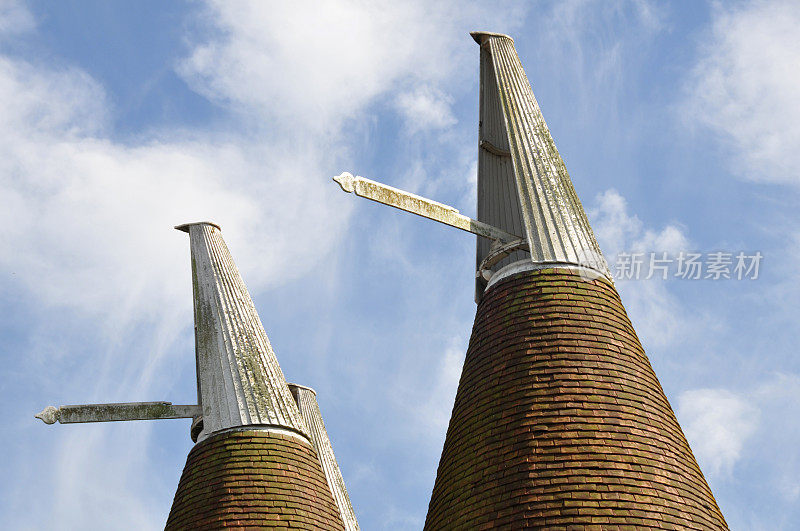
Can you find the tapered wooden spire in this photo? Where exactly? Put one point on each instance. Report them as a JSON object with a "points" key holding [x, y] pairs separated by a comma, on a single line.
{"points": [[559, 421], [255, 465], [239, 379], [523, 184]]}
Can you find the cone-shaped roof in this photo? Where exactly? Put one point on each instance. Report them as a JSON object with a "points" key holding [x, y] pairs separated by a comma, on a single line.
{"points": [[560, 421], [523, 184], [309, 408], [252, 478], [239, 380]]}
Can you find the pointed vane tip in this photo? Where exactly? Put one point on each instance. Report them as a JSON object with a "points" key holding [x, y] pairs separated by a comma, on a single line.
{"points": [[481, 36], [48, 415], [346, 181], [185, 226]]}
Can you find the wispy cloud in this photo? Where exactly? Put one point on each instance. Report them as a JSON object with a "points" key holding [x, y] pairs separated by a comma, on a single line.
{"points": [[315, 63], [425, 108], [15, 19], [732, 433], [89, 218], [717, 423], [88, 234], [744, 87], [579, 36], [659, 316], [779, 401], [433, 407]]}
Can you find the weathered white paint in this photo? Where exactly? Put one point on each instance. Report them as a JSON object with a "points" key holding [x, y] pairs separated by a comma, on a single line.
{"points": [[239, 379], [523, 184], [421, 206], [306, 399], [117, 412]]}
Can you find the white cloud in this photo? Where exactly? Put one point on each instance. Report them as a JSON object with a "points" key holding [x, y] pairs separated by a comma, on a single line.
{"points": [[756, 428], [66, 102], [442, 393], [744, 87], [658, 315], [577, 39], [467, 202], [88, 220], [314, 63], [15, 19], [83, 211], [617, 230], [311, 61], [425, 108], [613, 227], [88, 232], [717, 424]]}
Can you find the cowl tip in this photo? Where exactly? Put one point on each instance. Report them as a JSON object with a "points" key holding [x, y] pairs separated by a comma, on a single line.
{"points": [[185, 227], [481, 36], [293, 386]]}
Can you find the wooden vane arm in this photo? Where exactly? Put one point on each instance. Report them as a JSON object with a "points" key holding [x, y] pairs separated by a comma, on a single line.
{"points": [[421, 206], [117, 412]]}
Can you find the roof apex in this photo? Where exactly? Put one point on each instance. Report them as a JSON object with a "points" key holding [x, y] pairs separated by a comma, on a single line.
{"points": [[185, 226], [481, 36]]}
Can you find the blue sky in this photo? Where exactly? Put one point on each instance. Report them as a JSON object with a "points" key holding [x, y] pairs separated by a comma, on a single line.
{"points": [[678, 124]]}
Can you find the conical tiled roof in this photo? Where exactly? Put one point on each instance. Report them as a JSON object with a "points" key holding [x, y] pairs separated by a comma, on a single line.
{"points": [[253, 478], [255, 464], [559, 420]]}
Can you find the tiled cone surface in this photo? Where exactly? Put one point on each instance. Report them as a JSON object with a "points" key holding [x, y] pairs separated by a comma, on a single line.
{"points": [[253, 479], [559, 420]]}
